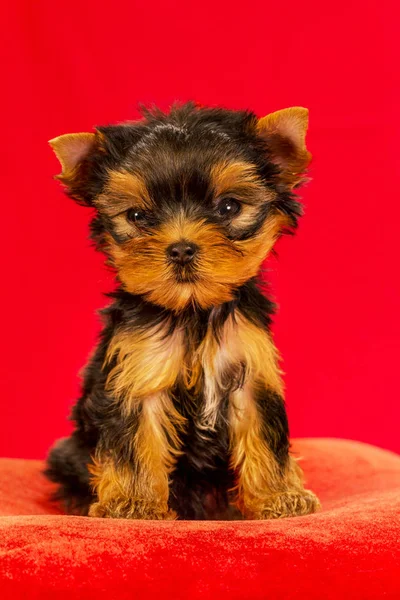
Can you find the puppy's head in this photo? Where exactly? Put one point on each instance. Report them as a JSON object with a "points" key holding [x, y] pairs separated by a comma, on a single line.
{"points": [[188, 204]]}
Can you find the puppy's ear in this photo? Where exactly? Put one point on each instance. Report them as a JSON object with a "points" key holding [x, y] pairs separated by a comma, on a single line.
{"points": [[78, 154], [71, 149], [284, 132]]}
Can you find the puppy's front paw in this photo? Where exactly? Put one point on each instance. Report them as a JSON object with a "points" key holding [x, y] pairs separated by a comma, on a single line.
{"points": [[97, 510], [289, 504], [134, 510]]}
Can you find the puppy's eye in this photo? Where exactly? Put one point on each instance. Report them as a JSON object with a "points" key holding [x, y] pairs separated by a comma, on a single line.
{"points": [[136, 216], [228, 207]]}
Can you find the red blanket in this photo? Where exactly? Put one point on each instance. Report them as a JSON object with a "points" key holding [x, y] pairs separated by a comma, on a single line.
{"points": [[350, 549]]}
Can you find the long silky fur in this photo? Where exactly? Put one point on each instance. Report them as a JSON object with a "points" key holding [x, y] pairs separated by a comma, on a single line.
{"points": [[181, 413]]}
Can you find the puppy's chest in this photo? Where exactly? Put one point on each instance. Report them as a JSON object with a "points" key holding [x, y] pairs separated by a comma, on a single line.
{"points": [[148, 362]]}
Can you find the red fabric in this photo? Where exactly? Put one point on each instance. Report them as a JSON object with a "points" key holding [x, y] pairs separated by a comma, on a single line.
{"points": [[71, 65], [349, 550]]}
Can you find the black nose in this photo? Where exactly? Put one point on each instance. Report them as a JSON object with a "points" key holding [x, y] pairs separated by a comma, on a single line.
{"points": [[182, 252]]}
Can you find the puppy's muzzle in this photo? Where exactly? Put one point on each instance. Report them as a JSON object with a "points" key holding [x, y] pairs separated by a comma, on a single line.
{"points": [[182, 252]]}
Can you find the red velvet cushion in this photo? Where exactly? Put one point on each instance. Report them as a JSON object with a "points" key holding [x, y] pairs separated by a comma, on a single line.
{"points": [[348, 550]]}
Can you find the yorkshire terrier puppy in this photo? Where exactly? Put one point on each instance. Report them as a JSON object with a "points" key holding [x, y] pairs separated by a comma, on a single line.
{"points": [[182, 412]]}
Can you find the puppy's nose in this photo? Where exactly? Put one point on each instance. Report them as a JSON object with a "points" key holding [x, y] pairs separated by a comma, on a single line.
{"points": [[181, 253]]}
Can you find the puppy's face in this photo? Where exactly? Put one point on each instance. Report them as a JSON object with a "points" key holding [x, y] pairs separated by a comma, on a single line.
{"points": [[188, 204]]}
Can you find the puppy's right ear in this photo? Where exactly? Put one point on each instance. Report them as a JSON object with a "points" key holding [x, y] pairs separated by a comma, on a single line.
{"points": [[73, 151], [70, 150], [85, 158]]}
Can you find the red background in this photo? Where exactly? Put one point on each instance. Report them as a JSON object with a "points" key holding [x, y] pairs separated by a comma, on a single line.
{"points": [[69, 67]]}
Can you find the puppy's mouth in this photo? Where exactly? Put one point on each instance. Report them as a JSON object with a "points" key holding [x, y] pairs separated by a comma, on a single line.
{"points": [[186, 274]]}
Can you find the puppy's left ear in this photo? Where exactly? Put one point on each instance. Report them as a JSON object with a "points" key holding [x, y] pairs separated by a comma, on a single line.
{"points": [[284, 133]]}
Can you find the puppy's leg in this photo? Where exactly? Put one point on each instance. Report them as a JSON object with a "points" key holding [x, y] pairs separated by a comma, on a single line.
{"points": [[67, 465], [132, 480], [269, 480]]}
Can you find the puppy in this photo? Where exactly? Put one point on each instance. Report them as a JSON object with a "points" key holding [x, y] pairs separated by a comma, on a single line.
{"points": [[182, 412]]}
